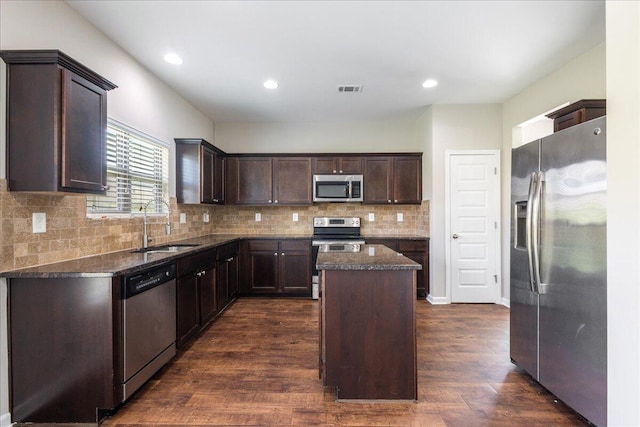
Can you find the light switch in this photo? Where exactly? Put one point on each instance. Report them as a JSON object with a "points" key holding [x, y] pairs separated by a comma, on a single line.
{"points": [[39, 220], [183, 218], [295, 216], [205, 217], [372, 217], [258, 217], [400, 217]]}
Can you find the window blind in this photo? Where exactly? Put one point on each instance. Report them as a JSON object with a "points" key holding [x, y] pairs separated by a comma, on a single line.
{"points": [[137, 173]]}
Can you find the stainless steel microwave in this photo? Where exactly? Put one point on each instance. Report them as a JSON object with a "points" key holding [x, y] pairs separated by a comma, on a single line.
{"points": [[337, 188]]}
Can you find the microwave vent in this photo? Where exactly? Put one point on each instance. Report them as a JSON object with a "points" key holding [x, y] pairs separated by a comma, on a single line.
{"points": [[349, 88]]}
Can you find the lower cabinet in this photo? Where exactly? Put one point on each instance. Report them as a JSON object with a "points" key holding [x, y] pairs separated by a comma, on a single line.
{"points": [[277, 267], [226, 274], [416, 250], [196, 294]]}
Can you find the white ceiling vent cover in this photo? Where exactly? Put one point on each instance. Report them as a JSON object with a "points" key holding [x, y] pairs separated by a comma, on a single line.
{"points": [[349, 88]]}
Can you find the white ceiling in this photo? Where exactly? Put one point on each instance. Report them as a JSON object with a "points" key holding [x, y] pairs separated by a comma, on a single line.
{"points": [[479, 51]]}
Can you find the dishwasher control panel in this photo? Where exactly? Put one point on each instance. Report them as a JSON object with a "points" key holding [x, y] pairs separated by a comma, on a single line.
{"points": [[148, 279]]}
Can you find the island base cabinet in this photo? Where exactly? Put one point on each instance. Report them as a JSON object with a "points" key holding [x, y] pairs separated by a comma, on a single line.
{"points": [[61, 349], [368, 334]]}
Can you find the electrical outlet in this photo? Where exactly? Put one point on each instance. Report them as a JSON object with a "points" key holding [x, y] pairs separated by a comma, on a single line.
{"points": [[205, 217], [258, 217], [372, 217], [183, 218], [39, 220], [295, 216], [400, 217]]}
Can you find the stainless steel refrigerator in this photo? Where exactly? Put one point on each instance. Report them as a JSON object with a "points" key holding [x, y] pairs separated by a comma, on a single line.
{"points": [[558, 265]]}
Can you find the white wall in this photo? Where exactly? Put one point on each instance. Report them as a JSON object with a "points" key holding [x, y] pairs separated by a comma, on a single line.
{"points": [[582, 78], [391, 134], [454, 127], [623, 217], [141, 100]]}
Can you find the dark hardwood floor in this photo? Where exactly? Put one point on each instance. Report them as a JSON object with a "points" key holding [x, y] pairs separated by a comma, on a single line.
{"points": [[257, 365]]}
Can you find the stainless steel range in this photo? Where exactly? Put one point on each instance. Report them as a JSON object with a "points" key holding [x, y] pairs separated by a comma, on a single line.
{"points": [[331, 234]]}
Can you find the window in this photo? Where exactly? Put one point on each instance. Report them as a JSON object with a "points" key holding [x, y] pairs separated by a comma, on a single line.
{"points": [[137, 173]]}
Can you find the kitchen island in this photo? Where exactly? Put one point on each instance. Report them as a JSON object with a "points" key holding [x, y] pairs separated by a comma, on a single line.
{"points": [[367, 324]]}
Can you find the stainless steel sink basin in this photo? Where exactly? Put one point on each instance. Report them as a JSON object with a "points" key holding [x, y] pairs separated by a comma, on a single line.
{"points": [[165, 248]]}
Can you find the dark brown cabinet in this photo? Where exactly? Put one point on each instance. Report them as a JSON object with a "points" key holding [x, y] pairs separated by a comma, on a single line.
{"points": [[578, 112], [393, 179], [416, 250], [226, 275], [199, 172], [279, 266], [56, 123], [337, 165], [269, 180], [195, 294]]}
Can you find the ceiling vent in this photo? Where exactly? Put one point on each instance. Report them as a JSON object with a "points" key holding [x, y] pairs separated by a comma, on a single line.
{"points": [[349, 88]]}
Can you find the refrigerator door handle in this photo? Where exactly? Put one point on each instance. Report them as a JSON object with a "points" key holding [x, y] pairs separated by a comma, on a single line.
{"points": [[528, 229], [535, 232]]}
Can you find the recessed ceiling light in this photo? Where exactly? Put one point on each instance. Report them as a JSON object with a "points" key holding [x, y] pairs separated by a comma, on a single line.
{"points": [[172, 58], [429, 83], [270, 84]]}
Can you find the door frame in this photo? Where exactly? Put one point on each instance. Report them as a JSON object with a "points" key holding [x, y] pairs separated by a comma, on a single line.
{"points": [[447, 219]]}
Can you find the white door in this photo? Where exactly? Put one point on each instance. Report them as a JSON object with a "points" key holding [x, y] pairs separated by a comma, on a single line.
{"points": [[474, 213]]}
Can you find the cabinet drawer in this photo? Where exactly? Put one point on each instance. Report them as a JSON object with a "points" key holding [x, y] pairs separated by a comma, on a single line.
{"points": [[294, 245], [228, 251], [196, 262], [412, 245], [263, 245]]}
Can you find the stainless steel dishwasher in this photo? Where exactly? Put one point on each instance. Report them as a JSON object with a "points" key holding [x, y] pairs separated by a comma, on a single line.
{"points": [[149, 325]]}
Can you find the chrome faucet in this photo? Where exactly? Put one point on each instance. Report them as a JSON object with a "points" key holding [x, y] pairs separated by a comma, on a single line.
{"points": [[145, 237]]}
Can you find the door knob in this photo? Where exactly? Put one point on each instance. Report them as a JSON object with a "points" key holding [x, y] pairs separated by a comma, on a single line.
{"points": [[455, 236]]}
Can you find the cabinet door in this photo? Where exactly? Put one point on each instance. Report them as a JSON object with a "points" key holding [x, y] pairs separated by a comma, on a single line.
{"points": [[233, 277], [84, 124], [206, 175], [218, 179], [325, 165], [207, 288], [350, 165], [377, 179], [295, 266], [187, 310], [250, 181], [263, 266], [292, 181], [222, 284], [407, 179]]}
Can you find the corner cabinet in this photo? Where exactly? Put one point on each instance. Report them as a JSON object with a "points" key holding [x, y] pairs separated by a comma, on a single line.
{"points": [[199, 172], [56, 123], [393, 179], [256, 180]]}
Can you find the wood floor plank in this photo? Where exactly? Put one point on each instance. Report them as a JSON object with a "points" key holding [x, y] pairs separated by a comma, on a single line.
{"points": [[257, 366]]}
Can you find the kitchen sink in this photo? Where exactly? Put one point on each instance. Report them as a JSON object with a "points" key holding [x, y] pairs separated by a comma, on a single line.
{"points": [[165, 248]]}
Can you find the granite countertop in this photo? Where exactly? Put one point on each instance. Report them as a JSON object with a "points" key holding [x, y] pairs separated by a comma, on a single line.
{"points": [[370, 257], [127, 262]]}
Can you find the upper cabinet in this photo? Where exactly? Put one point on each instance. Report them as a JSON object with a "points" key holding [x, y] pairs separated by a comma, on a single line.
{"points": [[269, 180], [337, 165], [56, 123], [199, 172], [578, 112], [394, 179]]}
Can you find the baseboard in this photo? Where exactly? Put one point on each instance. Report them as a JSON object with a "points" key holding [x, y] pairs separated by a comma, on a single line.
{"points": [[5, 420], [437, 300], [506, 302]]}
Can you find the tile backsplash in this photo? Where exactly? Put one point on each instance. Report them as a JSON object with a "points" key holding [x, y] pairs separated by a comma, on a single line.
{"points": [[70, 234]]}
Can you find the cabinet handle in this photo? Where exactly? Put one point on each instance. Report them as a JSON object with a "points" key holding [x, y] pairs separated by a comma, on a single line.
{"points": [[334, 171], [276, 254], [282, 254], [275, 201], [229, 259], [340, 171], [388, 201], [215, 200], [269, 200], [395, 201], [105, 187]]}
